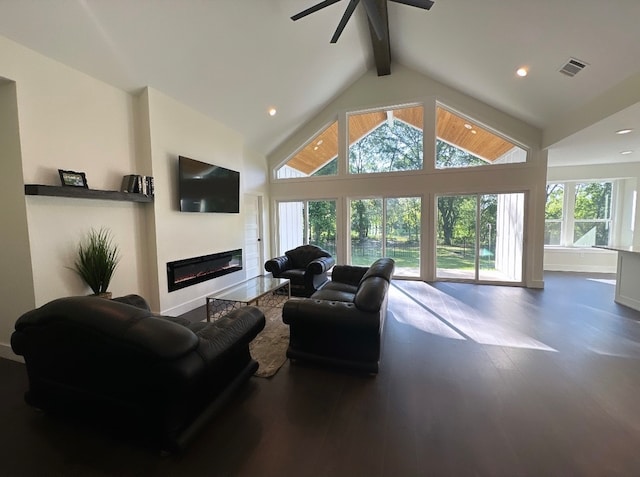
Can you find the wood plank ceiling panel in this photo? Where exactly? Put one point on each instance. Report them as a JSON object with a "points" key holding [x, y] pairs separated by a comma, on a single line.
{"points": [[470, 137], [317, 152], [362, 124]]}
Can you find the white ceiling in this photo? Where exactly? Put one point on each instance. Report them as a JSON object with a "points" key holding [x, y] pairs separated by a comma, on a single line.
{"points": [[233, 59]]}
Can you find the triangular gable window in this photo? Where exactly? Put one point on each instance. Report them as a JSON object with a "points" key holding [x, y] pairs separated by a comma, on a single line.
{"points": [[461, 142], [319, 157], [386, 140]]}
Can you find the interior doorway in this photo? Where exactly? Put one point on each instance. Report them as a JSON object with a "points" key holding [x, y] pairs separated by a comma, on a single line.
{"points": [[253, 249]]}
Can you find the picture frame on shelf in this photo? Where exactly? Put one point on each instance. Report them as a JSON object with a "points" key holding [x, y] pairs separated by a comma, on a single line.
{"points": [[73, 178]]}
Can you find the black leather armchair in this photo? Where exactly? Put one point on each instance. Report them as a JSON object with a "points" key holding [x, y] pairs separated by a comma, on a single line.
{"points": [[305, 266], [116, 362], [341, 325]]}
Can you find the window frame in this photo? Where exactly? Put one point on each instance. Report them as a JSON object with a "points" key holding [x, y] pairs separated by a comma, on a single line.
{"points": [[275, 171], [487, 129], [306, 224], [384, 109], [568, 220], [429, 140], [384, 233]]}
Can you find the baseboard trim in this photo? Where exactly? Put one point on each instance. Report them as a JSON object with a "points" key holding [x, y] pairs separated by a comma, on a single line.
{"points": [[536, 284], [579, 268]]}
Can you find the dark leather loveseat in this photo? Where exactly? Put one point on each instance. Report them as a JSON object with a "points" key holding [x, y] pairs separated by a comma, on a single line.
{"points": [[342, 323], [305, 266], [156, 377]]}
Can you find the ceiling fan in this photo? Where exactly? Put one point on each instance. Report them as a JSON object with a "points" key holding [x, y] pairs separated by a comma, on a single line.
{"points": [[376, 21]]}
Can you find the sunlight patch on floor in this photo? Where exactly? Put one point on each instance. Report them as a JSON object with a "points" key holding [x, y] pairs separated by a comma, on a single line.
{"points": [[405, 311], [428, 309], [608, 281]]}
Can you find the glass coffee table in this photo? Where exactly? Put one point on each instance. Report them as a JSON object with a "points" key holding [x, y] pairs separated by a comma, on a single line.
{"points": [[264, 291]]}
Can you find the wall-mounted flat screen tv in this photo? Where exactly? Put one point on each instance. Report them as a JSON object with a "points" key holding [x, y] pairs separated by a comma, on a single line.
{"points": [[207, 188]]}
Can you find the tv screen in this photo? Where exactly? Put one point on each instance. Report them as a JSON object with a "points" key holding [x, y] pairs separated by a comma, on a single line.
{"points": [[207, 188]]}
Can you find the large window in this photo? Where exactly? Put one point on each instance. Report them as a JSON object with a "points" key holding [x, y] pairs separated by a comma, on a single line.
{"points": [[479, 237], [553, 214], [319, 157], [366, 231], [307, 222], [462, 143], [386, 141], [380, 154], [391, 140], [387, 227], [579, 213], [592, 214]]}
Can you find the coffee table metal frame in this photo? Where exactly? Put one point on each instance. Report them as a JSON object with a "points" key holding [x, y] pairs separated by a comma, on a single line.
{"points": [[262, 290]]}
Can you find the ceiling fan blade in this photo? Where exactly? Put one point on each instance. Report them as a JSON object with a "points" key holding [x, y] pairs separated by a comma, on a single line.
{"points": [[424, 4], [345, 18], [315, 8], [375, 18]]}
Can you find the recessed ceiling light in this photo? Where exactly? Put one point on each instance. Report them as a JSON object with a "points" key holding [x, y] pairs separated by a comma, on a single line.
{"points": [[468, 126], [625, 153], [522, 72], [272, 111], [473, 131], [319, 142], [624, 131]]}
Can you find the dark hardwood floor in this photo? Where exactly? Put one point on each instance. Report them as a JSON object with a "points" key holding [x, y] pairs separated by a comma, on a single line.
{"points": [[474, 381]]}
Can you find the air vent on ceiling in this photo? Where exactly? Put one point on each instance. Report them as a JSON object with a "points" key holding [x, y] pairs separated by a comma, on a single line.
{"points": [[573, 67]]}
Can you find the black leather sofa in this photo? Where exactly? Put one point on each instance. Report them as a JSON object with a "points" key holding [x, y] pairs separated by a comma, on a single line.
{"points": [[305, 266], [341, 324], [156, 377]]}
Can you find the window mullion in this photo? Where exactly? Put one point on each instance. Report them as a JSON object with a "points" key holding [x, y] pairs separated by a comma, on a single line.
{"points": [[614, 234], [568, 213], [384, 227]]}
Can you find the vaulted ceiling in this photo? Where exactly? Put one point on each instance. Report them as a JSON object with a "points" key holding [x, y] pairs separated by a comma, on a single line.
{"points": [[233, 60]]}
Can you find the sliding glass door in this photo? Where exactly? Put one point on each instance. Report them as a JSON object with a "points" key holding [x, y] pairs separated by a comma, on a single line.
{"points": [[366, 231], [387, 227], [321, 218], [307, 222], [479, 237]]}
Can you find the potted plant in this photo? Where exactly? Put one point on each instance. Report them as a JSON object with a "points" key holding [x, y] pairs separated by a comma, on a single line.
{"points": [[96, 261]]}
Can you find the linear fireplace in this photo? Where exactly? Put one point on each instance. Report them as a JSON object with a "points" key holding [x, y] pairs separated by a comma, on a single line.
{"points": [[184, 273]]}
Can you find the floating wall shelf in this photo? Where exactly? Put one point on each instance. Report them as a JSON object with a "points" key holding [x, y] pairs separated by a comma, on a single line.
{"points": [[82, 193]]}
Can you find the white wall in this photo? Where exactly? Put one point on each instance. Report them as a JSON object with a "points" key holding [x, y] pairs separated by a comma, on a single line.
{"points": [[405, 86], [55, 117], [509, 235], [16, 279], [290, 226], [256, 182], [68, 120], [177, 130]]}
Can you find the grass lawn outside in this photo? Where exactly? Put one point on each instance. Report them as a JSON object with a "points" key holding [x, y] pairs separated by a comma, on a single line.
{"points": [[457, 258], [447, 257]]}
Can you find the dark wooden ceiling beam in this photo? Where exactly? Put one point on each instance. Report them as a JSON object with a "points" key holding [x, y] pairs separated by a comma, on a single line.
{"points": [[381, 47]]}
